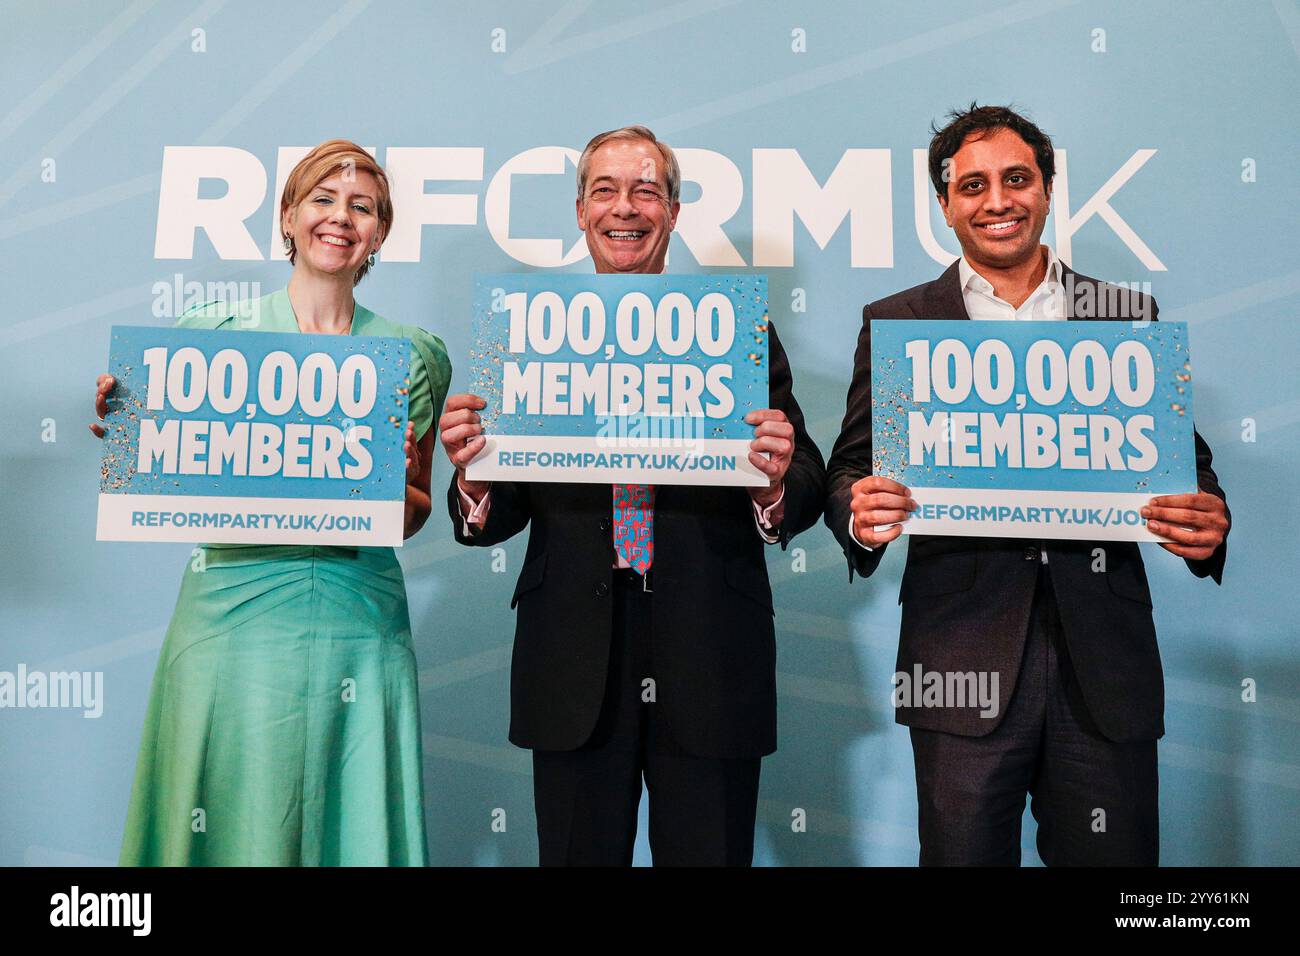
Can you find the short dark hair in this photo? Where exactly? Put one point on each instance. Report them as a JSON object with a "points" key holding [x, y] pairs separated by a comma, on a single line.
{"points": [[961, 123]]}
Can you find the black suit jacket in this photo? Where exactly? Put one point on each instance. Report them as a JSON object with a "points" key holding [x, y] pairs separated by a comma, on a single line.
{"points": [[714, 646], [966, 601]]}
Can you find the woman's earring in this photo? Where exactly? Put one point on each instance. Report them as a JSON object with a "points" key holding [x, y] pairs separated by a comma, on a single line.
{"points": [[288, 243], [372, 260]]}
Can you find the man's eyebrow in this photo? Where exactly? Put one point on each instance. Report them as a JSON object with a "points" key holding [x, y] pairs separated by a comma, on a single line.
{"points": [[984, 174], [610, 178], [636, 183]]}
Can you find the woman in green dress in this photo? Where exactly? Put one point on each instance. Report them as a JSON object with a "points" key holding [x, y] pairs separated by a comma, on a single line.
{"points": [[283, 726]]}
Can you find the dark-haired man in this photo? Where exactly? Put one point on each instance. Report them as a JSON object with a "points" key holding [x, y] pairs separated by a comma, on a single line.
{"points": [[1081, 693]]}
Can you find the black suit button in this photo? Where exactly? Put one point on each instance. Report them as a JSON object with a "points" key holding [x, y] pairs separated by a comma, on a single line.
{"points": [[1031, 554], [602, 589], [606, 524]]}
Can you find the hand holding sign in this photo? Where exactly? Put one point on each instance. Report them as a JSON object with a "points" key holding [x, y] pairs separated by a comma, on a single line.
{"points": [[1194, 524], [412, 452], [774, 435], [879, 501], [103, 386], [461, 431]]}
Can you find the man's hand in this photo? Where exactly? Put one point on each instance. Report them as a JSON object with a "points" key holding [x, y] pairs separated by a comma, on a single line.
{"points": [[773, 434], [1194, 524], [461, 431], [878, 501]]}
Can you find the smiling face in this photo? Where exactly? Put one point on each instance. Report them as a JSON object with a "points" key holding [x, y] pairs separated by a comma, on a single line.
{"points": [[336, 225], [625, 209], [997, 203]]}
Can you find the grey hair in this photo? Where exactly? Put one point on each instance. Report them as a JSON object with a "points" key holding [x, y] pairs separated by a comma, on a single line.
{"points": [[672, 171]]}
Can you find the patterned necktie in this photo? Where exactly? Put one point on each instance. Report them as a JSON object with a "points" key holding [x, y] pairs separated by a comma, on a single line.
{"points": [[634, 525]]}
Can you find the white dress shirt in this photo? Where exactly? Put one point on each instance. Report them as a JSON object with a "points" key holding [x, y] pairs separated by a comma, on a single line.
{"points": [[1045, 303]]}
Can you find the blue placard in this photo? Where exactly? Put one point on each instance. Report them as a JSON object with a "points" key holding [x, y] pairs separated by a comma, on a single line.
{"points": [[619, 378], [226, 437], [1032, 429]]}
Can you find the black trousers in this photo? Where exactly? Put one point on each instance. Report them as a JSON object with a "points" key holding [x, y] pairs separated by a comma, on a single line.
{"points": [[1096, 801], [702, 809]]}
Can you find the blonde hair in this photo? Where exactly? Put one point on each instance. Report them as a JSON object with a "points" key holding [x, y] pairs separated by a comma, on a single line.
{"points": [[672, 172], [322, 163]]}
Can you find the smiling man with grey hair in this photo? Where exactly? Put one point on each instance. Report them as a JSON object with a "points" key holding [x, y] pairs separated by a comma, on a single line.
{"points": [[644, 643], [631, 236]]}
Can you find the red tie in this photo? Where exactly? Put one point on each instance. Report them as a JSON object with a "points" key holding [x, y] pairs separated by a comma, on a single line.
{"points": [[634, 525]]}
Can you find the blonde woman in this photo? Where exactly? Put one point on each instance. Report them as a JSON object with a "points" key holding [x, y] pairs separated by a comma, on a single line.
{"points": [[254, 750]]}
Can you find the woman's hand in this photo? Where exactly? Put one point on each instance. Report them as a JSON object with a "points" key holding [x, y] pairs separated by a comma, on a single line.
{"points": [[412, 454], [103, 386], [418, 501]]}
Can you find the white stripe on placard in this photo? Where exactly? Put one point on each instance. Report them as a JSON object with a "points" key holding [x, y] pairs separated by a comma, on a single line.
{"points": [[667, 461], [1074, 515], [227, 520]]}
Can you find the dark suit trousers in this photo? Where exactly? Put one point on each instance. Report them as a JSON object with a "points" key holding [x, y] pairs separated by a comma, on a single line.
{"points": [[702, 809], [1095, 801]]}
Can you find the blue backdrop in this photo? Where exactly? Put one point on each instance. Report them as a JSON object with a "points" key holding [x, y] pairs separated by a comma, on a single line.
{"points": [[141, 142]]}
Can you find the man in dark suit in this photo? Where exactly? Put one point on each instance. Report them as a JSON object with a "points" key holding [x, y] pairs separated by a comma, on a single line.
{"points": [[1065, 625], [643, 654]]}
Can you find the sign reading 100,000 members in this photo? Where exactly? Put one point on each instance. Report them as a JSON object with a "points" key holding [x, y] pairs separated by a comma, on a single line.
{"points": [[1032, 429], [235, 437], [619, 378]]}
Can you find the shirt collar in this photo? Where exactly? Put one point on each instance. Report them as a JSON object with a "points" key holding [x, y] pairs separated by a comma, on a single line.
{"points": [[973, 281]]}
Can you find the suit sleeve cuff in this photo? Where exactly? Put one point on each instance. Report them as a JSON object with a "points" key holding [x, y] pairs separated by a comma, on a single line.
{"points": [[472, 515], [768, 519]]}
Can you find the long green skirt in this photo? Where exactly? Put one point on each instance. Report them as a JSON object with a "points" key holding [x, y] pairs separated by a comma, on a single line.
{"points": [[283, 726]]}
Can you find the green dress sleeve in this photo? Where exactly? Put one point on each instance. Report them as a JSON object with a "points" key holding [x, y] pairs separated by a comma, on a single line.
{"points": [[430, 376], [207, 315]]}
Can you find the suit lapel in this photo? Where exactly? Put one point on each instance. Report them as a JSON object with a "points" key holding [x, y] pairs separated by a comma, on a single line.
{"points": [[1071, 286], [943, 299]]}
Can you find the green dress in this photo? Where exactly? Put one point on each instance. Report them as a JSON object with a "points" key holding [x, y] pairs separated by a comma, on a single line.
{"points": [[283, 725]]}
